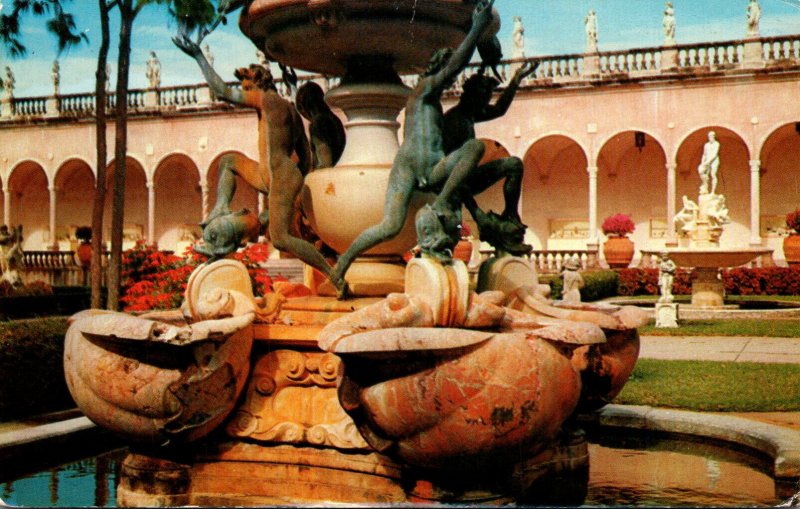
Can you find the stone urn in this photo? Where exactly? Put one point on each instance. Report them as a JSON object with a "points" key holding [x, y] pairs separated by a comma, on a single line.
{"points": [[618, 252], [791, 249]]}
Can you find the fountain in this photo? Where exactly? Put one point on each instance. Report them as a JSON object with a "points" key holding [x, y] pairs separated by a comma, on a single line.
{"points": [[703, 222], [416, 389]]}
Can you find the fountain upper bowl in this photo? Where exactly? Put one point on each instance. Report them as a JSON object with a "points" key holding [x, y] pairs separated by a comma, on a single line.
{"points": [[333, 37]]}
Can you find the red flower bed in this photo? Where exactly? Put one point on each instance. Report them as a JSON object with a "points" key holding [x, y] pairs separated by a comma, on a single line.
{"points": [[153, 279], [738, 281]]}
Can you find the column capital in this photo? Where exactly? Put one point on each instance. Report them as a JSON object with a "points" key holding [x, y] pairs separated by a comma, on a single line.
{"points": [[592, 171], [150, 186], [755, 165], [671, 166]]}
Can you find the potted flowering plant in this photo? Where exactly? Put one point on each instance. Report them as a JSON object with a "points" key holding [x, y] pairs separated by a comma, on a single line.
{"points": [[463, 250], [84, 250], [791, 244], [618, 248]]}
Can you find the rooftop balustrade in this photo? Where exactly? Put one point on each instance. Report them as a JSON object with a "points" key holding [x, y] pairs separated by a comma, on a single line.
{"points": [[661, 62]]}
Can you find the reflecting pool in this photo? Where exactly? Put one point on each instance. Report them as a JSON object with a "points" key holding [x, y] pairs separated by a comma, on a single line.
{"points": [[625, 470]]}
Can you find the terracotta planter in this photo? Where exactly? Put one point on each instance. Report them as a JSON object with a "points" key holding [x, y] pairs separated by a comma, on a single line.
{"points": [[618, 252], [463, 250], [84, 254], [791, 249]]}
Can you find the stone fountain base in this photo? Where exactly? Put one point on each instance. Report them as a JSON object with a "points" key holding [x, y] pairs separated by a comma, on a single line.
{"points": [[290, 442]]}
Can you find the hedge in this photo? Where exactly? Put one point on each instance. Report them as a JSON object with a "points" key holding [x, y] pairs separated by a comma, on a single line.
{"points": [[738, 281], [32, 367], [598, 284], [64, 301]]}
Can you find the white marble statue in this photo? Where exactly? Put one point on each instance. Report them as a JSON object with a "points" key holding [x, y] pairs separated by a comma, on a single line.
{"points": [[153, 70], [717, 210], [669, 24], [8, 83], [753, 17], [573, 281], [208, 54], [686, 219], [518, 39], [108, 77], [709, 165], [591, 31], [55, 75], [666, 275]]}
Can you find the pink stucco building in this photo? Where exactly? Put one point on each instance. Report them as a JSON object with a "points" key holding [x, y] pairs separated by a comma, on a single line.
{"points": [[599, 133]]}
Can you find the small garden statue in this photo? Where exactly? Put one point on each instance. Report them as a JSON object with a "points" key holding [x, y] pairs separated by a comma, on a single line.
{"points": [[573, 281], [666, 275]]}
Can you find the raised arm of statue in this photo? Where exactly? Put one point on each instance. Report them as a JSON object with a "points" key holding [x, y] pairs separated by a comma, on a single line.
{"points": [[217, 84], [499, 108], [481, 17]]}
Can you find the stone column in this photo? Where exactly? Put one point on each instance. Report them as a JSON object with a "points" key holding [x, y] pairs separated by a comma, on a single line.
{"points": [[53, 241], [7, 207], [151, 213], [755, 202], [204, 200], [592, 170], [670, 239]]}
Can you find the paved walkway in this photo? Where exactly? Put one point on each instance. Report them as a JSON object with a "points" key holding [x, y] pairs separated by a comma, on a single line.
{"points": [[721, 348]]}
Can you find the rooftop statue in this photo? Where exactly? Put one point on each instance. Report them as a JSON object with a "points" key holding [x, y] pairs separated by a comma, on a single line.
{"points": [[280, 134], [153, 72], [208, 54], [753, 17], [326, 131], [518, 38], [709, 165], [55, 75], [504, 232], [8, 83], [421, 162], [590, 22], [669, 24]]}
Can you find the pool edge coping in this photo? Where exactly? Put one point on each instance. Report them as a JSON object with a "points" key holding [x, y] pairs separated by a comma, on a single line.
{"points": [[781, 444]]}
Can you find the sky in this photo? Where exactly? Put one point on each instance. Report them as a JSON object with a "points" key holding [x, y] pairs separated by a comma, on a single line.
{"points": [[551, 27]]}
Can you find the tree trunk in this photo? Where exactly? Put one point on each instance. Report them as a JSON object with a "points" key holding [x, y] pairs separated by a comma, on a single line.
{"points": [[102, 156], [121, 148]]}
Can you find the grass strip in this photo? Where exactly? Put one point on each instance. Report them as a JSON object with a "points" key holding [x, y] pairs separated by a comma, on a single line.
{"points": [[737, 327], [713, 386]]}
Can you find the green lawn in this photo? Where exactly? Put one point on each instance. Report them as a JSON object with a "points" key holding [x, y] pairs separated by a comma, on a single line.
{"points": [[714, 386], [731, 327]]}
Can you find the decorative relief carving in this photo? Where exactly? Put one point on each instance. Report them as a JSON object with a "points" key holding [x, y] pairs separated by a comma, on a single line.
{"points": [[292, 398]]}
